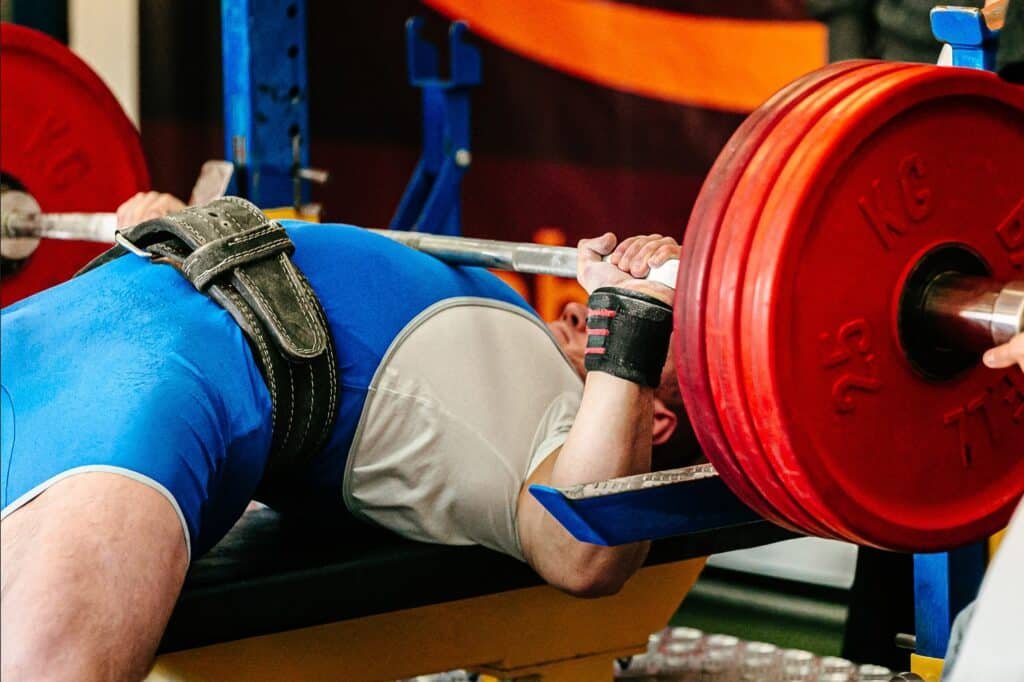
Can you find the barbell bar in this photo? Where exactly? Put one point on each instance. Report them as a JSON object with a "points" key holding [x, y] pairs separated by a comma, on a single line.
{"points": [[967, 312], [86, 227], [21, 218], [527, 258], [531, 259]]}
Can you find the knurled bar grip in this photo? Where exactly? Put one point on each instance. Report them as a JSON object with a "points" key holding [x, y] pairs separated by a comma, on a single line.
{"points": [[531, 259], [90, 227]]}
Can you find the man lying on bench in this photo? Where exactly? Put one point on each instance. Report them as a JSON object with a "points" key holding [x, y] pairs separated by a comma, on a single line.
{"points": [[216, 357]]}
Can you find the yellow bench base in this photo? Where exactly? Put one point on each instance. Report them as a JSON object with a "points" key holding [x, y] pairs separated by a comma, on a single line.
{"points": [[927, 667], [536, 633]]}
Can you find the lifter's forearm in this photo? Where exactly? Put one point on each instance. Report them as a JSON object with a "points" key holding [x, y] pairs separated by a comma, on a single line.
{"points": [[610, 437]]}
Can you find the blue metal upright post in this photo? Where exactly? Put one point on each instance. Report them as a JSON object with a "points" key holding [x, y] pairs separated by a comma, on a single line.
{"points": [[266, 105], [431, 199], [964, 29], [944, 583]]}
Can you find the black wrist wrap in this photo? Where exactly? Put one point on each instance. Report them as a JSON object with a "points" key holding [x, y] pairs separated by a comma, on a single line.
{"points": [[238, 257], [628, 335]]}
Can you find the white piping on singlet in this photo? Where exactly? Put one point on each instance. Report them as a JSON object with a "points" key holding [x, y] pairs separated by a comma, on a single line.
{"points": [[27, 497]]}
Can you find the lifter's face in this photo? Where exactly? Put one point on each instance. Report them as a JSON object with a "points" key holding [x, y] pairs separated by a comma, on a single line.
{"points": [[570, 329]]}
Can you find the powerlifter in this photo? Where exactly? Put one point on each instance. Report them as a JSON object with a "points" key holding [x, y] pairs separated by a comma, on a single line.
{"points": [[138, 420]]}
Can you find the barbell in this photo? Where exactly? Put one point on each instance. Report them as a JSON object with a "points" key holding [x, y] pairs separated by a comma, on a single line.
{"points": [[855, 246], [22, 221], [66, 142], [967, 311]]}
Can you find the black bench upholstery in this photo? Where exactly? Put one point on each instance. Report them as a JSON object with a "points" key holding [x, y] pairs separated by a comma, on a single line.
{"points": [[271, 574]]}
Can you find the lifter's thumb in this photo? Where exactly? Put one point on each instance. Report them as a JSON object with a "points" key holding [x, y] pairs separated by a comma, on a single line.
{"points": [[598, 247], [998, 357]]}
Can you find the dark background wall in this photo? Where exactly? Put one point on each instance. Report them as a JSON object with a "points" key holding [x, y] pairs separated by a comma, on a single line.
{"points": [[549, 149], [556, 157]]}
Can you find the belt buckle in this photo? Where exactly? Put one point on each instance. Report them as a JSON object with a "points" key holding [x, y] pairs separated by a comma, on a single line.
{"points": [[123, 242]]}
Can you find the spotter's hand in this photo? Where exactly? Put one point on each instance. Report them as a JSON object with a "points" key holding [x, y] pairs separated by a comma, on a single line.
{"points": [[147, 206], [627, 263], [1007, 355]]}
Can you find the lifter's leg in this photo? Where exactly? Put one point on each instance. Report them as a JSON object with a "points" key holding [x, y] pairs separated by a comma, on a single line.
{"points": [[90, 572]]}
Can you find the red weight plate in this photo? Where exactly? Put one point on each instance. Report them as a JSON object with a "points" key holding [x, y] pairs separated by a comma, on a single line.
{"points": [[698, 246], [67, 142], [924, 157], [726, 278]]}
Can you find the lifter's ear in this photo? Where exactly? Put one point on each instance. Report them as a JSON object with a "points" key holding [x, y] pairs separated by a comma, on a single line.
{"points": [[665, 422]]}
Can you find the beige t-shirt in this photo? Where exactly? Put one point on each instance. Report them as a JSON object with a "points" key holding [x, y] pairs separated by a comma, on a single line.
{"points": [[469, 399]]}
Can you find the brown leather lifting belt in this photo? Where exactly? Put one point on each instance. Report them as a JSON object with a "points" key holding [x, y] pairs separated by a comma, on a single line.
{"points": [[233, 253]]}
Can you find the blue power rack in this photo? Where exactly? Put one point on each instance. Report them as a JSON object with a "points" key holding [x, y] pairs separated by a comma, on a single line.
{"points": [[266, 103]]}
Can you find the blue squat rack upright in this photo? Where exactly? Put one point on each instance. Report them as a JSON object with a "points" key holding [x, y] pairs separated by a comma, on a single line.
{"points": [[431, 202], [266, 99]]}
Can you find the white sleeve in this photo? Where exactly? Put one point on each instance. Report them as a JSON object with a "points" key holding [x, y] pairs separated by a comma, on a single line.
{"points": [[993, 638], [470, 398], [554, 428]]}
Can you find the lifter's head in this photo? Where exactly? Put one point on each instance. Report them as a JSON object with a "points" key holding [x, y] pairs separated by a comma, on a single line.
{"points": [[674, 441]]}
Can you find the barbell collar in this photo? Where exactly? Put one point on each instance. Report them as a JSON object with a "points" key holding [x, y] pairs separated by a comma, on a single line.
{"points": [[1008, 313]]}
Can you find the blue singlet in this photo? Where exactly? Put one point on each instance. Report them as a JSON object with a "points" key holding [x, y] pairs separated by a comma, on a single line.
{"points": [[129, 369]]}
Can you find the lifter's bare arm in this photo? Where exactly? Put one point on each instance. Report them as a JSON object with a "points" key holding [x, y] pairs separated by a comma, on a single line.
{"points": [[91, 570], [611, 437]]}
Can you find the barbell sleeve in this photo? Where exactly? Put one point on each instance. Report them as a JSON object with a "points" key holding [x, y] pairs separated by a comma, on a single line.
{"points": [[973, 313]]}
